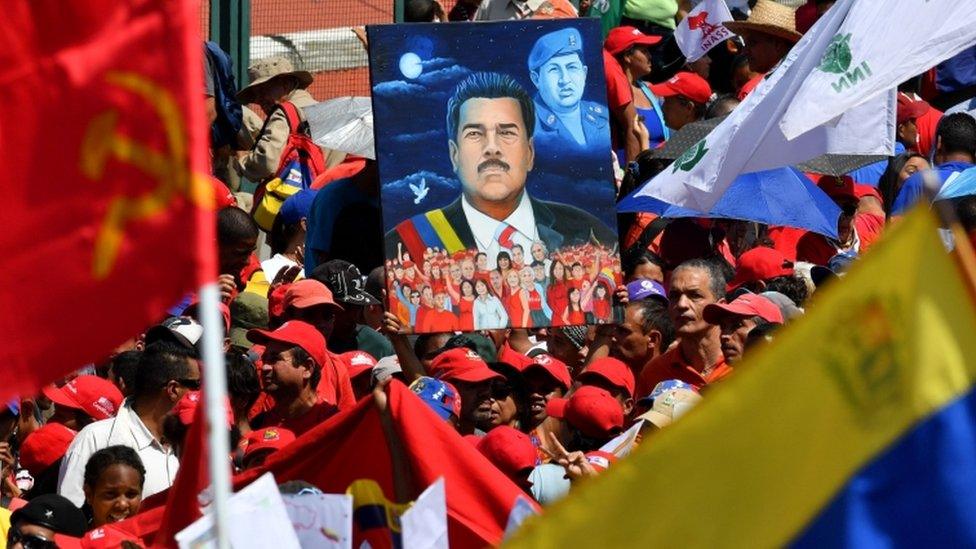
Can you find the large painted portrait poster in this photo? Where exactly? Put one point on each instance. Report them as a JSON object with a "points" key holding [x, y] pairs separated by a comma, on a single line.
{"points": [[497, 190]]}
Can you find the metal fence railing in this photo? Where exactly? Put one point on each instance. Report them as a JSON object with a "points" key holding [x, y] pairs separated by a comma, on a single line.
{"points": [[317, 35]]}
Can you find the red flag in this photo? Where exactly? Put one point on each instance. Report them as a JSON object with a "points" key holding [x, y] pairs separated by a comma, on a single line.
{"points": [[182, 503], [108, 213], [351, 446]]}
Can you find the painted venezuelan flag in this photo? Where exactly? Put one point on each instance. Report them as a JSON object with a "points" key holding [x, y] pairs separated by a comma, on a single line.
{"points": [[855, 427], [375, 519]]}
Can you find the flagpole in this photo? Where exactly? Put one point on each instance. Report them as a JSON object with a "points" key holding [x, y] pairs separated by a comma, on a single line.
{"points": [[215, 397]]}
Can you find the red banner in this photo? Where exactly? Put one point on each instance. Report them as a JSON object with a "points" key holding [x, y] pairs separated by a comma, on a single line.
{"points": [[107, 211], [351, 446]]}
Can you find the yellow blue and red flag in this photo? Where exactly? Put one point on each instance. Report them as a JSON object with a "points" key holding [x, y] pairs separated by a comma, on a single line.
{"points": [[855, 427]]}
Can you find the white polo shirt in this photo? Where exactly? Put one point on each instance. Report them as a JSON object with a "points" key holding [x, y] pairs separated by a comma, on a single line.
{"points": [[125, 429]]}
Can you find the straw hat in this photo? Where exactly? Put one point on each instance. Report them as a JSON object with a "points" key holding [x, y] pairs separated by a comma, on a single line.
{"points": [[770, 18], [266, 70]]}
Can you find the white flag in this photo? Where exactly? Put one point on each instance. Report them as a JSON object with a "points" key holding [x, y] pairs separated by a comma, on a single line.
{"points": [[424, 524], [702, 29], [878, 46], [750, 140]]}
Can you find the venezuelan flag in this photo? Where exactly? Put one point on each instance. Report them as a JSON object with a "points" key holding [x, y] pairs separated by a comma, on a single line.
{"points": [[855, 427], [375, 519]]}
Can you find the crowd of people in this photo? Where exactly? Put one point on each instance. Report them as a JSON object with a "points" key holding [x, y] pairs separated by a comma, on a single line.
{"points": [[539, 358], [459, 292]]}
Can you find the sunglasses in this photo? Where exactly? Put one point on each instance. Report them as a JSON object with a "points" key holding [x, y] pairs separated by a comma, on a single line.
{"points": [[192, 384], [28, 541]]}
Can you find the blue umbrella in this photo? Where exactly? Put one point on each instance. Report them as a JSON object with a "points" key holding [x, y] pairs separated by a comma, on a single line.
{"points": [[783, 196], [963, 184]]}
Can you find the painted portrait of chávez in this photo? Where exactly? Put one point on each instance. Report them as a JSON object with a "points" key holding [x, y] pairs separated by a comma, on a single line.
{"points": [[490, 127]]}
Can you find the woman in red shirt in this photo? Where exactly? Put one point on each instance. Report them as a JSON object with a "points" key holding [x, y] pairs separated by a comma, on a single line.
{"points": [[574, 315], [601, 305], [556, 293], [466, 306]]}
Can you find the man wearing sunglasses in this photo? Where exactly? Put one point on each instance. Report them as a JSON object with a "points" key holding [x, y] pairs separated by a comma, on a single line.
{"points": [[166, 371], [861, 222], [34, 525]]}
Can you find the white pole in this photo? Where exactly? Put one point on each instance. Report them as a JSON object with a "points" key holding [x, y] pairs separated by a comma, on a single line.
{"points": [[214, 395]]}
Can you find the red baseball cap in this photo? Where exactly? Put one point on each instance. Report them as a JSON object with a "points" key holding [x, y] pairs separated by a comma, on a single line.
{"points": [[910, 108], [358, 362], [297, 333], [552, 367], [685, 84], [270, 438], [185, 408], [836, 186], [45, 446], [744, 305], [462, 364], [508, 449], [621, 38], [591, 410], [614, 371], [309, 293], [760, 263], [97, 397]]}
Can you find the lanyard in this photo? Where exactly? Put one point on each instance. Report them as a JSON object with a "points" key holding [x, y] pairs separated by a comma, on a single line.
{"points": [[657, 107]]}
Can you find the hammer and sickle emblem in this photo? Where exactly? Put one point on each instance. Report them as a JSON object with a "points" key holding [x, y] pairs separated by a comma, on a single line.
{"points": [[170, 169]]}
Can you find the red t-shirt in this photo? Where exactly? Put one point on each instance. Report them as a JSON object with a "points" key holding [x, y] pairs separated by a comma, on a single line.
{"points": [[619, 92], [335, 387], [439, 321], [466, 320], [513, 306], [315, 415], [558, 300], [576, 318], [671, 365], [816, 249]]}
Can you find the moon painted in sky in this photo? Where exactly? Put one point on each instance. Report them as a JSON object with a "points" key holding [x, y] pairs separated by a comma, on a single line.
{"points": [[410, 65]]}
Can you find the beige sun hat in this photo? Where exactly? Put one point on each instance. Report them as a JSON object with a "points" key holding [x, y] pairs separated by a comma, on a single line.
{"points": [[264, 70], [770, 18]]}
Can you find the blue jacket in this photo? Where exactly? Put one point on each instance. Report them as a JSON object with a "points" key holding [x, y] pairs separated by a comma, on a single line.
{"points": [[551, 131]]}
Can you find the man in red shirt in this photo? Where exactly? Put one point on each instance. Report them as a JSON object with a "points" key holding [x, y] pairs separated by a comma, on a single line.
{"points": [[696, 357], [311, 302], [861, 222], [290, 372], [439, 319]]}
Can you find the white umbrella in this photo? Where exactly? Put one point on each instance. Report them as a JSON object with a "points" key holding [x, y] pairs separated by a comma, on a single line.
{"points": [[343, 124]]}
